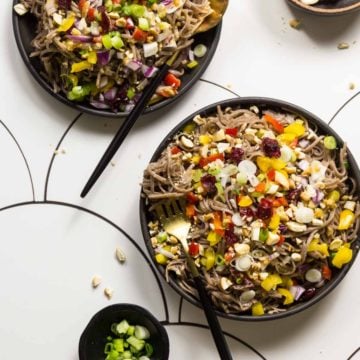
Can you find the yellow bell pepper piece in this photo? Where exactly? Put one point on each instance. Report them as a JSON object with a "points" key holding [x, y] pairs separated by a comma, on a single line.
{"points": [[66, 24], [161, 259], [297, 128], [287, 138], [92, 57], [289, 298], [342, 256], [265, 163], [315, 245], [271, 282], [205, 139], [189, 128], [213, 238], [195, 159], [209, 259], [274, 222], [80, 66], [245, 201], [257, 309], [347, 218], [334, 195]]}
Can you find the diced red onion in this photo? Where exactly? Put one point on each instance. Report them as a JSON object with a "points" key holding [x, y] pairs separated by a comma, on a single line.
{"points": [[134, 65], [103, 81], [191, 55], [303, 164], [80, 38], [99, 104], [297, 291], [149, 71], [110, 94], [303, 143], [129, 107], [81, 24], [166, 2], [274, 256], [103, 57], [319, 195], [129, 23]]}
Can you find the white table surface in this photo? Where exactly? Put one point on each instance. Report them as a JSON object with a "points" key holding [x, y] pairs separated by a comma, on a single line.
{"points": [[53, 242]]}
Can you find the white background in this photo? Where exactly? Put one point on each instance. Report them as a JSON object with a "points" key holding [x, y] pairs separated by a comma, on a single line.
{"points": [[49, 252]]}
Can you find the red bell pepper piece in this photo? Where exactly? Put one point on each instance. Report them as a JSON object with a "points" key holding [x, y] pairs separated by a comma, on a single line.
{"points": [[207, 160], [231, 131], [190, 210], [139, 35], [193, 248], [326, 272], [192, 198], [175, 150], [271, 174], [274, 123], [91, 14], [172, 80]]}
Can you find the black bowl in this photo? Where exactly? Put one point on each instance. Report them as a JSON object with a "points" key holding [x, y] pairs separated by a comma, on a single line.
{"points": [[261, 103], [337, 7], [24, 28], [93, 339]]}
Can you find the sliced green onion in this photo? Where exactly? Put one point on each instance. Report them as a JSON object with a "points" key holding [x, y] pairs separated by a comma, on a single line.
{"points": [[130, 93], [117, 42], [200, 50], [131, 330], [144, 24], [149, 349], [264, 234], [122, 327], [106, 40], [138, 344], [161, 237], [192, 64], [141, 332], [330, 142], [219, 259]]}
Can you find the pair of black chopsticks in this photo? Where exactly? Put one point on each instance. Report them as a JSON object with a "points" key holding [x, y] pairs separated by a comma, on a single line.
{"points": [[127, 125]]}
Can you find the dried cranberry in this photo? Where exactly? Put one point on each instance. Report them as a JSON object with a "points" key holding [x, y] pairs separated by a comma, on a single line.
{"points": [[105, 20], [264, 210], [294, 195], [235, 155], [230, 237], [208, 182], [282, 228], [271, 147], [308, 294], [248, 212], [64, 4]]}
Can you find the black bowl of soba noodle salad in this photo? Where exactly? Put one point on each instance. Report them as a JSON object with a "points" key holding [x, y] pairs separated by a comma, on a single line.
{"points": [[271, 192], [98, 56]]}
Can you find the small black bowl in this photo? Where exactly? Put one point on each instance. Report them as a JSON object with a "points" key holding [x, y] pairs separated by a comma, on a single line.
{"points": [[337, 7], [93, 339], [261, 103], [24, 28]]}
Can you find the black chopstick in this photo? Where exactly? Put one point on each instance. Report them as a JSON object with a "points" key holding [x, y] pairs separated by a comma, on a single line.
{"points": [[127, 125], [213, 321]]}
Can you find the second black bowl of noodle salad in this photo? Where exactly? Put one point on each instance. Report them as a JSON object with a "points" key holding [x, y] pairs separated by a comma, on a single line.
{"points": [[271, 192], [98, 56]]}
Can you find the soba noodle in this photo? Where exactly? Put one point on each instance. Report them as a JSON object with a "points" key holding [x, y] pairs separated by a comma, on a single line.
{"points": [[272, 206], [105, 52]]}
